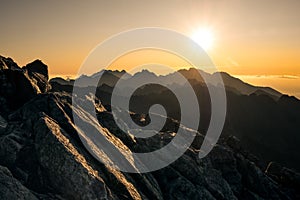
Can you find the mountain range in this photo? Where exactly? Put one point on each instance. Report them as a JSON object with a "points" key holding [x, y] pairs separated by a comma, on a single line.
{"points": [[266, 121], [110, 78]]}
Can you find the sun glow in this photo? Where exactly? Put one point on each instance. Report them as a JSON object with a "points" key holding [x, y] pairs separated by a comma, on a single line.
{"points": [[204, 37]]}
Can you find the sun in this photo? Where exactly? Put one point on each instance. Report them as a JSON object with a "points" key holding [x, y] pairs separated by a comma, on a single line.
{"points": [[204, 37]]}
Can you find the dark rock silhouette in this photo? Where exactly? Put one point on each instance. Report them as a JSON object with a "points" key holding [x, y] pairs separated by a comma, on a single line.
{"points": [[8, 63], [37, 66], [38, 72], [20, 85], [16, 88]]}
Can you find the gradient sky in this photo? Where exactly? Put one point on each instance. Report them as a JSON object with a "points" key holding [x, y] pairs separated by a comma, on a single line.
{"points": [[257, 37]]}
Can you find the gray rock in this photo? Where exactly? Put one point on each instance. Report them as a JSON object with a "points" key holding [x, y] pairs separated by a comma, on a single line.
{"points": [[234, 143], [217, 186], [3, 125], [11, 188], [256, 181], [224, 161], [67, 171], [176, 186], [10, 144]]}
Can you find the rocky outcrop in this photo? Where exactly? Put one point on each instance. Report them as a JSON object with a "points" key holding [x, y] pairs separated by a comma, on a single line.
{"points": [[41, 148], [38, 72], [49, 156], [37, 66], [8, 63], [17, 86], [283, 175], [64, 168]]}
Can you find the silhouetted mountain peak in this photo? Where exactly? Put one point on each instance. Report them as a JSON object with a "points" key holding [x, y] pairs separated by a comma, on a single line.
{"points": [[145, 73], [246, 88], [192, 73], [120, 74], [95, 75], [288, 98], [37, 66], [61, 81], [104, 72]]}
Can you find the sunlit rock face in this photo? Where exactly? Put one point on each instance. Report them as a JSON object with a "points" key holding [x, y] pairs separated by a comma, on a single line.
{"points": [[42, 156]]}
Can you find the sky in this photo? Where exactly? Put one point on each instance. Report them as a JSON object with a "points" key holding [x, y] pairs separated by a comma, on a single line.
{"points": [[255, 40]]}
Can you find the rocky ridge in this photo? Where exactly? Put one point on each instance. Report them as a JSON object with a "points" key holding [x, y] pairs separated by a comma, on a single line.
{"points": [[42, 157]]}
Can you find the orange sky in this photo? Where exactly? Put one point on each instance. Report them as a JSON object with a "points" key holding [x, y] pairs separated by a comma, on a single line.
{"points": [[251, 37]]}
